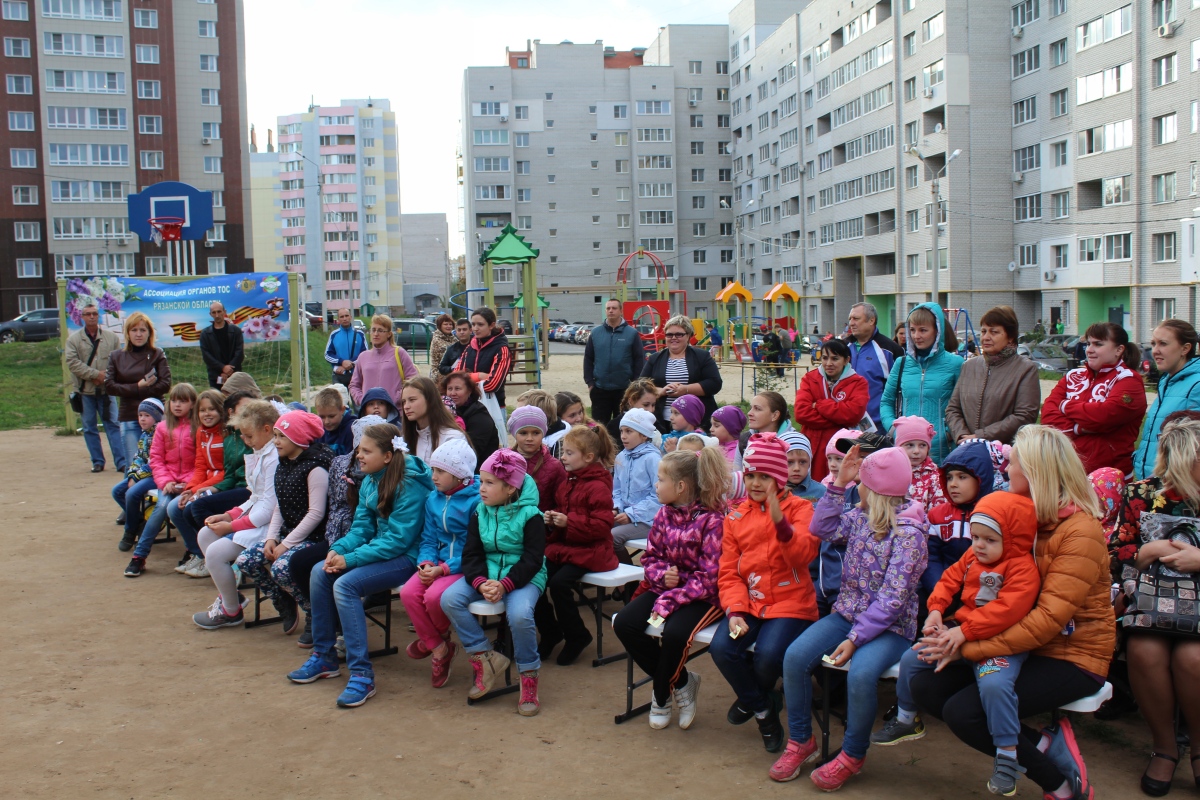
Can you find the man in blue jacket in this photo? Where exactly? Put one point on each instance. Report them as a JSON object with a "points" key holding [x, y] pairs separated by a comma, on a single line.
{"points": [[612, 360], [345, 346], [871, 354]]}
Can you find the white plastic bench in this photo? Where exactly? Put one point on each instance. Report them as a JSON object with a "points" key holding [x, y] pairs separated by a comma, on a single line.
{"points": [[637, 545], [602, 581], [502, 644], [700, 643]]}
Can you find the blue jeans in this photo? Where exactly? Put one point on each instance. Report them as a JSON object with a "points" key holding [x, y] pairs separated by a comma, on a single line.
{"points": [[753, 675], [518, 609], [150, 531], [130, 431], [339, 597], [190, 519], [130, 499], [869, 662], [996, 679], [104, 407]]}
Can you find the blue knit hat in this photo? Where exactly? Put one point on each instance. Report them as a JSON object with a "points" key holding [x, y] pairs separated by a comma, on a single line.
{"points": [[152, 406]]}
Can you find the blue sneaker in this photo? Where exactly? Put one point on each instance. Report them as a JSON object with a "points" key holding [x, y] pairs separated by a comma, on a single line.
{"points": [[359, 690], [314, 669]]}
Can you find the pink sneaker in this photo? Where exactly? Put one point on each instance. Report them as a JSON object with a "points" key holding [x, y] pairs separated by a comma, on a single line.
{"points": [[787, 767], [830, 776], [441, 666], [417, 650]]}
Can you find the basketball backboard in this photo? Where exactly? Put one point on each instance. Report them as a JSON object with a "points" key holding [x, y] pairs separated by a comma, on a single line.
{"points": [[171, 199]]}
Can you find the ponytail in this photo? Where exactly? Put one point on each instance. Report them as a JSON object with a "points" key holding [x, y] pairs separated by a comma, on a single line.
{"points": [[392, 480], [705, 472], [594, 442]]}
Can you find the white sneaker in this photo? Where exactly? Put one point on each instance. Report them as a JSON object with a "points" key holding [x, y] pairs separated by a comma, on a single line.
{"points": [[685, 700], [198, 570], [185, 564], [660, 716]]}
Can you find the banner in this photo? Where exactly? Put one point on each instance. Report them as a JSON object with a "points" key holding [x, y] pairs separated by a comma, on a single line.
{"points": [[257, 302]]}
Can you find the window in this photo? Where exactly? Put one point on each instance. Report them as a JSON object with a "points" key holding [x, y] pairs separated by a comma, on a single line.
{"points": [[549, 151], [1166, 129], [16, 48], [1107, 83], [493, 164], [1027, 158], [149, 90], [20, 84], [216, 265], [488, 110], [216, 233], [492, 192], [1060, 205], [1162, 12], [933, 27], [1028, 207], [621, 139], [1164, 250], [697, 176], [212, 130], [212, 164], [28, 302], [549, 95], [25, 195], [523, 195], [150, 125], [16, 10], [1102, 29], [1113, 136], [1058, 7], [1118, 247], [157, 265], [1058, 103], [208, 29], [1027, 255], [27, 231], [29, 268], [698, 201], [1116, 191], [1164, 187], [1058, 53], [549, 123], [910, 44], [935, 73], [1025, 12], [1026, 61], [624, 194], [1089, 249], [211, 97], [1025, 110], [653, 107], [491, 137], [25, 158], [722, 120], [151, 159], [20, 120], [520, 140], [913, 263], [910, 177], [697, 120], [913, 221], [145, 18], [1060, 253], [722, 67], [147, 54], [1058, 152], [1164, 70]]}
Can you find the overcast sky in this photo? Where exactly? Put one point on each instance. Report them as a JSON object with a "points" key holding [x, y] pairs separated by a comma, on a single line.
{"points": [[414, 53]]}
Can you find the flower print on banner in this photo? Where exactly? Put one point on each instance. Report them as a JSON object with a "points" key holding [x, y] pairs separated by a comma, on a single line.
{"points": [[107, 294], [263, 329]]}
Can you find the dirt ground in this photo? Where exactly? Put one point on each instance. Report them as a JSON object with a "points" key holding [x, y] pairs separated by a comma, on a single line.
{"points": [[110, 684]]}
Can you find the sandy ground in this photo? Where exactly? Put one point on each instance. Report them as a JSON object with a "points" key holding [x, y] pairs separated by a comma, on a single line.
{"points": [[111, 691]]}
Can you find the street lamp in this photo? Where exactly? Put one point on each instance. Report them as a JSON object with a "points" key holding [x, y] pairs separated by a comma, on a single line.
{"points": [[935, 188]]}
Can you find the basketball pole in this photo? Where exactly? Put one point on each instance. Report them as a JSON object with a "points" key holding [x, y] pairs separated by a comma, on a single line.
{"points": [[192, 248]]}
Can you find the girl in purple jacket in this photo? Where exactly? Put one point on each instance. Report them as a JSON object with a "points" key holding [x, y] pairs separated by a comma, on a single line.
{"points": [[683, 552]]}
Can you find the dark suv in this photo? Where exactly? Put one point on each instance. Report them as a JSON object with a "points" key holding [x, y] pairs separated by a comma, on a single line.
{"points": [[414, 335], [32, 326]]}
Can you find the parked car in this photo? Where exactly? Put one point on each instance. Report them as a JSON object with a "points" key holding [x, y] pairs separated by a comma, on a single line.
{"points": [[568, 333], [414, 335], [359, 326], [558, 323], [32, 326], [505, 326], [1148, 367], [1049, 357], [314, 320], [582, 334]]}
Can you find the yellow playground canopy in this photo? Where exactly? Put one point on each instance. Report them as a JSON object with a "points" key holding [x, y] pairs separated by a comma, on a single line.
{"points": [[734, 291]]}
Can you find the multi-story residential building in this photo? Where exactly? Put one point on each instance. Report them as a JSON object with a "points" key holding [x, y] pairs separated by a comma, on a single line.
{"points": [[339, 202], [425, 241], [266, 246], [103, 98], [592, 153]]}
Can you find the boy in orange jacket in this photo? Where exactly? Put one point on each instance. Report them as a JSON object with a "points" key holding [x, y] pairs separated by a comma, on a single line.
{"points": [[999, 583]]}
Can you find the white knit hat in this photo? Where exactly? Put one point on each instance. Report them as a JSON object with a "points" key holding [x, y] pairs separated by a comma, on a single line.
{"points": [[455, 457], [640, 420]]}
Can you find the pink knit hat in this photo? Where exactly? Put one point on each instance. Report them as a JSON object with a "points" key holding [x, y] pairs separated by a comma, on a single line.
{"points": [[508, 466], [887, 472], [844, 433], [767, 453], [912, 429], [301, 427]]}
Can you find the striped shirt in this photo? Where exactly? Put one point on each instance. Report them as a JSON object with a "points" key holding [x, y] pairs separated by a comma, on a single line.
{"points": [[677, 372]]}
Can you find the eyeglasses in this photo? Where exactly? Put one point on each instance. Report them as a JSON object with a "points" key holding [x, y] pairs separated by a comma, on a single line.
{"points": [[675, 335]]}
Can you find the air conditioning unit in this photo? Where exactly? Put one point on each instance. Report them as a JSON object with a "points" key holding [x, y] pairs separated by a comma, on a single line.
{"points": [[207, 243], [927, 93], [123, 242], [1018, 31], [504, 119], [1018, 177], [774, 161], [750, 261], [1166, 31], [906, 148], [206, 140], [1049, 276], [693, 103]]}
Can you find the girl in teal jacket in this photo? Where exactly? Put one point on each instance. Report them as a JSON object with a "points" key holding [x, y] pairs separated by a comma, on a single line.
{"points": [[378, 554], [920, 384]]}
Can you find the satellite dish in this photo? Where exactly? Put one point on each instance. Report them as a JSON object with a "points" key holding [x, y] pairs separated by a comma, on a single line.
{"points": [[937, 128], [1012, 266]]}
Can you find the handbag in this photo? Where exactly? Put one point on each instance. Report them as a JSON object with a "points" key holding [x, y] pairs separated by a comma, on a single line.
{"points": [[1164, 600], [75, 398]]}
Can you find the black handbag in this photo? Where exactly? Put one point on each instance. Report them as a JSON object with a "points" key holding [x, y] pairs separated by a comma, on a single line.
{"points": [[1164, 600], [75, 398]]}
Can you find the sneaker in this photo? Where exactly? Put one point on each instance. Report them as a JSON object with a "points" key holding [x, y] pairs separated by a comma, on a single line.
{"points": [[660, 716], [216, 617], [485, 667], [528, 705], [573, 649], [136, 565], [894, 732], [417, 650], [441, 668], [771, 730], [1005, 772], [685, 701], [314, 669], [186, 562], [1080, 791], [306, 640], [198, 569], [358, 690], [127, 542], [121, 518], [1063, 750], [289, 613], [830, 776], [738, 714], [788, 766]]}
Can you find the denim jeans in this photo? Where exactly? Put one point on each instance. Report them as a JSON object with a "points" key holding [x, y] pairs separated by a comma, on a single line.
{"points": [[104, 407], [753, 675], [130, 499], [942, 555], [190, 519], [150, 531], [130, 431], [870, 661], [518, 609], [339, 596]]}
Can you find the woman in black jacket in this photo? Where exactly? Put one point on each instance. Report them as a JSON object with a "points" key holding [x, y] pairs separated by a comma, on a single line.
{"points": [[481, 428], [681, 369], [487, 357]]}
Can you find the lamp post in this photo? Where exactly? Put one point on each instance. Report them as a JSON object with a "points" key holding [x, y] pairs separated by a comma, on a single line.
{"points": [[936, 189]]}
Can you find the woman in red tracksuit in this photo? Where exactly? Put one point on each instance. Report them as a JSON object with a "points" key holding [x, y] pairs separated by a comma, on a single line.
{"points": [[578, 540], [1100, 405], [829, 399], [487, 356]]}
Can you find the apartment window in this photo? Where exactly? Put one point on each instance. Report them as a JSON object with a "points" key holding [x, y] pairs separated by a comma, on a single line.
{"points": [[216, 233], [550, 178], [698, 228], [1090, 249], [20, 84], [1163, 70], [211, 97], [1058, 103], [1025, 110], [699, 256], [1164, 250], [208, 29], [912, 132], [1028, 207], [1105, 83], [1116, 191], [25, 195], [28, 302], [150, 125], [16, 10], [151, 159], [624, 194], [523, 195], [27, 231], [16, 48], [935, 73], [697, 176], [913, 263], [722, 67], [722, 120], [1166, 128], [910, 44], [549, 95], [145, 18], [29, 268], [549, 123], [1025, 12], [1058, 53], [910, 177], [725, 175], [20, 120], [549, 151], [697, 120], [1060, 205], [1102, 29], [933, 27], [595, 191], [212, 164], [21, 157], [1058, 152], [697, 148], [1164, 187], [157, 265], [1027, 158], [149, 90], [1162, 12], [1059, 255], [520, 140], [1118, 247], [1058, 7], [212, 130], [522, 167], [147, 54], [727, 256], [524, 223], [1027, 255], [913, 221], [698, 201], [1026, 61], [208, 63], [910, 89]]}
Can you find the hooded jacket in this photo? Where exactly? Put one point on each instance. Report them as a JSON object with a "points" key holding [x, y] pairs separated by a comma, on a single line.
{"points": [[490, 359], [925, 388], [998, 595], [586, 497], [340, 440], [874, 361], [548, 474], [379, 393], [689, 539], [824, 407], [445, 533], [172, 454], [1178, 392], [139, 465], [507, 543], [764, 566], [947, 520], [634, 478], [1101, 413], [371, 538], [209, 464]]}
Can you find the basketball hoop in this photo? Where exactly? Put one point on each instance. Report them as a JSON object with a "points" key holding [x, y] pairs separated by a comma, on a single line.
{"points": [[166, 229]]}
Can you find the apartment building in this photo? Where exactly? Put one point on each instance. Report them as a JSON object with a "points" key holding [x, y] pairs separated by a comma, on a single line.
{"points": [[425, 239], [339, 203], [592, 153], [103, 98]]}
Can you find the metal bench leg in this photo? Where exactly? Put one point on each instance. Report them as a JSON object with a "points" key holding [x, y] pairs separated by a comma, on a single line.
{"points": [[823, 719], [630, 686], [259, 598], [386, 624]]}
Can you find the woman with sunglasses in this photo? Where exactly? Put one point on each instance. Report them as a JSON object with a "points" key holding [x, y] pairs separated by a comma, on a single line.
{"points": [[681, 369]]}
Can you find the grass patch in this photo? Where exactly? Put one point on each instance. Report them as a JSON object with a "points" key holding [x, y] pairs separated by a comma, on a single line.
{"points": [[31, 385]]}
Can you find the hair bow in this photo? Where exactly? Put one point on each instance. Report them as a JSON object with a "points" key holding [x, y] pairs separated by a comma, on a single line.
{"points": [[398, 444]]}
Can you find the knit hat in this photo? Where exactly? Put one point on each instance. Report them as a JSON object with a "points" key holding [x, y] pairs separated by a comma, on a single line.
{"points": [[152, 406], [640, 420], [912, 429], [507, 465], [732, 418], [527, 417], [767, 453], [705, 441], [455, 457], [691, 409], [240, 382], [796, 440], [360, 425], [831, 449], [887, 472], [301, 427]]}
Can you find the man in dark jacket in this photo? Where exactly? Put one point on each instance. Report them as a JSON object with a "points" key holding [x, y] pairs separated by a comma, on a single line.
{"points": [[221, 346], [871, 354], [612, 360]]}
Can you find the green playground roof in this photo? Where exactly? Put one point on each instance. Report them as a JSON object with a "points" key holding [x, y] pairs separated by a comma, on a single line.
{"points": [[541, 303], [509, 248]]}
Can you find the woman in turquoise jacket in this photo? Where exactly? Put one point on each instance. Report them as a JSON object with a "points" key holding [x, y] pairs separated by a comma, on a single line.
{"points": [[1174, 347], [921, 383], [378, 554]]}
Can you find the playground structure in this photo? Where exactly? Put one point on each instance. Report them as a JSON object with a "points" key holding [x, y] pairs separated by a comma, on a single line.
{"points": [[739, 328]]}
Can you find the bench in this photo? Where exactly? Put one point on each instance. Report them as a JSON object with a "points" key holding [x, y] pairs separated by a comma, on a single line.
{"points": [[501, 644], [602, 581], [150, 499], [636, 545], [700, 643]]}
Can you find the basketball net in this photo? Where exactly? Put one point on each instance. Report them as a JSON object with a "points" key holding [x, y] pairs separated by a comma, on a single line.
{"points": [[166, 229]]}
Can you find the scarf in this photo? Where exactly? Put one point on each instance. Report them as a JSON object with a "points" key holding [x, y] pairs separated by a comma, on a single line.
{"points": [[1008, 352]]}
